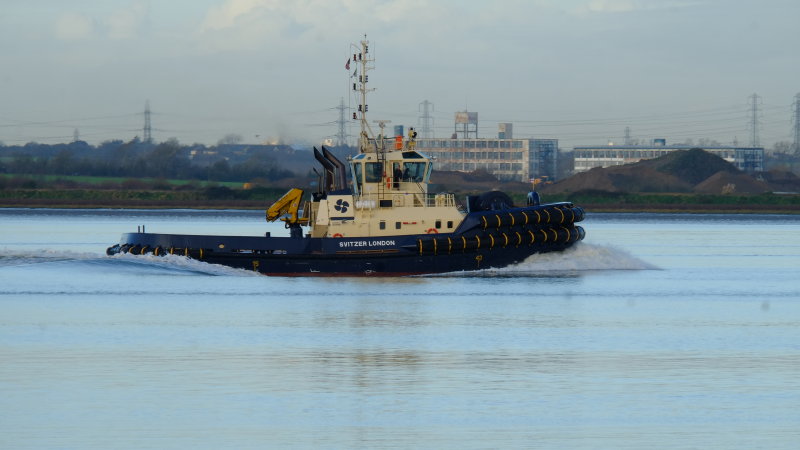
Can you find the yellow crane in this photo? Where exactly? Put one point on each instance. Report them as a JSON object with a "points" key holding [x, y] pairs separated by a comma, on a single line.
{"points": [[289, 204]]}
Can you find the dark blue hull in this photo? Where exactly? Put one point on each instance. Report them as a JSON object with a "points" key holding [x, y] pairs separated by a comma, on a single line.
{"points": [[484, 240]]}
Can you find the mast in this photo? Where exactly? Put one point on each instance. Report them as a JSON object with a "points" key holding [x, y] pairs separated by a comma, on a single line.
{"points": [[364, 60]]}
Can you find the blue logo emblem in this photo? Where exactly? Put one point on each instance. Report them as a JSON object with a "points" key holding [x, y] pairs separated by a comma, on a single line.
{"points": [[341, 206]]}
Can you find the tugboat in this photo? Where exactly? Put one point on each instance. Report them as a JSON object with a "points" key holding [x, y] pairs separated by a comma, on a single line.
{"points": [[383, 221]]}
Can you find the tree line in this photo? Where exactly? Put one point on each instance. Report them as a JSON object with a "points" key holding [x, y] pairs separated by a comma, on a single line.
{"points": [[138, 159]]}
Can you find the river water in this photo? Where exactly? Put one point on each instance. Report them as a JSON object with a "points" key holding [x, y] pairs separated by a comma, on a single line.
{"points": [[657, 331]]}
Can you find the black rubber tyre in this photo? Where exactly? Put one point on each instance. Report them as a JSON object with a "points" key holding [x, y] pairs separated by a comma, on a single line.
{"points": [[494, 201]]}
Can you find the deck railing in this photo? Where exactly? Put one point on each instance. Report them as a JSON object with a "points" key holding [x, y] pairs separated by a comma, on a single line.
{"points": [[391, 199]]}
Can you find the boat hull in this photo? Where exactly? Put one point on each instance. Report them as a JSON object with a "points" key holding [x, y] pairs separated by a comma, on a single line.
{"points": [[484, 240]]}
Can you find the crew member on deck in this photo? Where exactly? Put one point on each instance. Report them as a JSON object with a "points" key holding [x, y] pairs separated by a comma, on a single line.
{"points": [[398, 174], [412, 136]]}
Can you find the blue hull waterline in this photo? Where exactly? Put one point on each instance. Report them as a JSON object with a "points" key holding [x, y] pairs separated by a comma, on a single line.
{"points": [[485, 239]]}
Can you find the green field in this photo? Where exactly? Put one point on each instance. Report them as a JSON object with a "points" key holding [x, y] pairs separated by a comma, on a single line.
{"points": [[100, 181]]}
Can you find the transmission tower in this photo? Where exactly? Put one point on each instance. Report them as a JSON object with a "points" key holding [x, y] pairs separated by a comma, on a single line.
{"points": [[148, 130], [796, 113], [76, 135], [628, 136], [755, 102], [425, 121], [341, 136]]}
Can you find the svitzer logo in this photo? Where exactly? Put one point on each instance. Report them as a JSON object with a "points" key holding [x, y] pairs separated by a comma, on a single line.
{"points": [[341, 206], [375, 243]]}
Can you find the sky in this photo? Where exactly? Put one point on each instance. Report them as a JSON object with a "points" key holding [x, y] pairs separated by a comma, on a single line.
{"points": [[580, 71]]}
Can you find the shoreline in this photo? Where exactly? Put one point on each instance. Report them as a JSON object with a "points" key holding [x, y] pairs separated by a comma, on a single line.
{"points": [[43, 203]]}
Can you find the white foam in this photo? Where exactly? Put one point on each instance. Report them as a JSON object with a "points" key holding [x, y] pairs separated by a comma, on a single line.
{"points": [[581, 258], [151, 262], [182, 263]]}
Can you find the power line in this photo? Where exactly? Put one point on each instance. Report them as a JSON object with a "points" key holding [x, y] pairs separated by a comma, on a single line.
{"points": [[425, 121], [148, 130], [754, 104], [796, 113], [341, 136]]}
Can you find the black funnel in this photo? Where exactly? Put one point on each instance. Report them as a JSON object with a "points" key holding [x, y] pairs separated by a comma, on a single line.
{"points": [[327, 179], [340, 181]]}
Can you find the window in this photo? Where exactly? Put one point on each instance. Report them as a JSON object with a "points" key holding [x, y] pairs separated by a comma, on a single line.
{"points": [[357, 173], [449, 224], [374, 172], [383, 225], [438, 224], [397, 225], [416, 171]]}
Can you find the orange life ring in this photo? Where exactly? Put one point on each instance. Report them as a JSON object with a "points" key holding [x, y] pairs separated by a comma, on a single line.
{"points": [[432, 231], [388, 182], [337, 235]]}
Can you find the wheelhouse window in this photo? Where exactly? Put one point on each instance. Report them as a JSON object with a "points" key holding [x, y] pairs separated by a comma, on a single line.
{"points": [[374, 172], [416, 171], [357, 176]]}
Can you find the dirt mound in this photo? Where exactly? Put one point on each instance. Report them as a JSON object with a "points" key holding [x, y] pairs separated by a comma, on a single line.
{"points": [[626, 178], [692, 166], [731, 183], [479, 181], [678, 171], [781, 180], [593, 179]]}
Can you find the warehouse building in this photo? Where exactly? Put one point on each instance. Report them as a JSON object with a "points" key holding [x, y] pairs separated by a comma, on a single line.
{"points": [[506, 158], [748, 159]]}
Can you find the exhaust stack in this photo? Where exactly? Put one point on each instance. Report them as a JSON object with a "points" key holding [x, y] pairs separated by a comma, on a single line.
{"points": [[340, 179], [328, 174]]}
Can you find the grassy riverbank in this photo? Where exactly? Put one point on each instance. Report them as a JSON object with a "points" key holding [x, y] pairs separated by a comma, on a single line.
{"points": [[206, 198], [221, 197]]}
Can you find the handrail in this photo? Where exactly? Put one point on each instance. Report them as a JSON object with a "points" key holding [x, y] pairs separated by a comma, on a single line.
{"points": [[371, 201]]}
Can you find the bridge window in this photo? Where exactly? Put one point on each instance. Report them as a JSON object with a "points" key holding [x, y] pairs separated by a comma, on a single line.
{"points": [[416, 170], [374, 172]]}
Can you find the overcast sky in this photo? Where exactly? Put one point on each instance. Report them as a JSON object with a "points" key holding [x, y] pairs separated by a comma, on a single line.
{"points": [[576, 70]]}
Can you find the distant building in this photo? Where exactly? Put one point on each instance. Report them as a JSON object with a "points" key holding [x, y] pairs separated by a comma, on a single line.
{"points": [[748, 159], [507, 159]]}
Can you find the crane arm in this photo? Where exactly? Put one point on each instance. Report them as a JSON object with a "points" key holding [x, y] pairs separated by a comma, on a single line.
{"points": [[288, 204]]}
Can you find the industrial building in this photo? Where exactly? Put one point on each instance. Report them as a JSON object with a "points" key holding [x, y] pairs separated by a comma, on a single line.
{"points": [[506, 158], [748, 159]]}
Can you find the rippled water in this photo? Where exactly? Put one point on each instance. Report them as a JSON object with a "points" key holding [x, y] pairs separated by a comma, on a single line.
{"points": [[665, 331]]}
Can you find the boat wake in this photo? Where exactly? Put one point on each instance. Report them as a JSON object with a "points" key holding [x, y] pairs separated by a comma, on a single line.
{"points": [[584, 257], [578, 259], [144, 264]]}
